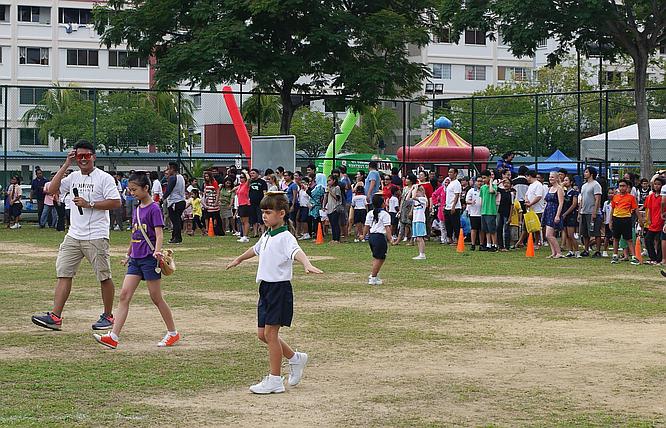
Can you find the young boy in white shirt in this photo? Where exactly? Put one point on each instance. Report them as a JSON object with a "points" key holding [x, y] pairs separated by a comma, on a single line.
{"points": [[277, 249]]}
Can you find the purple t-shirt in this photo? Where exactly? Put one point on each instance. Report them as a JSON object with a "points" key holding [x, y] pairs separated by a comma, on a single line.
{"points": [[151, 217]]}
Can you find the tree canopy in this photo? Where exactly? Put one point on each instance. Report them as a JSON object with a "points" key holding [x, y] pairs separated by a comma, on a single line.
{"points": [[635, 28], [359, 49]]}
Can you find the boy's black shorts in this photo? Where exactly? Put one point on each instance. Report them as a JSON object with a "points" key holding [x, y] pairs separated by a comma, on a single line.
{"points": [[622, 228], [378, 245], [276, 304]]}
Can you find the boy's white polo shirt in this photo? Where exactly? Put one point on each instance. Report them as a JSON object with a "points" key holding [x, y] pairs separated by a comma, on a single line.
{"points": [[276, 250]]}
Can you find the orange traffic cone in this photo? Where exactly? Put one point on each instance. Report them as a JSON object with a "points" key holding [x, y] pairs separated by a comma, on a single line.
{"points": [[320, 235], [530, 246], [638, 251], [461, 242], [211, 231]]}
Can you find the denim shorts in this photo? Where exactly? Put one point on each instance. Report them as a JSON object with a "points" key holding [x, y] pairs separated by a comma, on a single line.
{"points": [[276, 304], [489, 223], [419, 229], [143, 267]]}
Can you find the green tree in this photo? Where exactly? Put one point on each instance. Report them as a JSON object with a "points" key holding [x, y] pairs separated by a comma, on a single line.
{"points": [[634, 28], [63, 114], [266, 106], [360, 49], [376, 123]]}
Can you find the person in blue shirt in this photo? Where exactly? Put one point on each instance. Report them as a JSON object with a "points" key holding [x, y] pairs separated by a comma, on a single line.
{"points": [[506, 162], [372, 182], [37, 192]]}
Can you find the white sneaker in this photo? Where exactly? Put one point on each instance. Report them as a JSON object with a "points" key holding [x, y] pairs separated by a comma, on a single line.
{"points": [[244, 239], [306, 236], [356, 240], [378, 281], [296, 369], [372, 280], [419, 257], [14, 226], [116, 228], [604, 254], [19, 225], [268, 385], [404, 239], [236, 233]]}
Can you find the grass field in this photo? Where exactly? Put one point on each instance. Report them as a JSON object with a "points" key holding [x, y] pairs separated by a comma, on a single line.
{"points": [[473, 339]]}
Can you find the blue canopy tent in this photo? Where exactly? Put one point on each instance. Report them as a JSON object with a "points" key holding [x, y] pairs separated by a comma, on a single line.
{"points": [[555, 162]]}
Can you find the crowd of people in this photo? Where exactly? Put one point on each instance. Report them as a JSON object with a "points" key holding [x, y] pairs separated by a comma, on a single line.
{"points": [[578, 219]]}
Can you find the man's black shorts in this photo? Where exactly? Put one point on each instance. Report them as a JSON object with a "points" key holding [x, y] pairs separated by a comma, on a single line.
{"points": [[276, 304], [255, 215]]}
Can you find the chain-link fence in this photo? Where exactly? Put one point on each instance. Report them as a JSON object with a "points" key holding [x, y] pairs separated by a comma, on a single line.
{"points": [[144, 129]]}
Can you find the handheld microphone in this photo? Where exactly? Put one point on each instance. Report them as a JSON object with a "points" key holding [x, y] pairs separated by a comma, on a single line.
{"points": [[76, 195]]}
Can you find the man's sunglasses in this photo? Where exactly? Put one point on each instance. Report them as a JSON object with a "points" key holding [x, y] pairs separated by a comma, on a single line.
{"points": [[86, 156]]}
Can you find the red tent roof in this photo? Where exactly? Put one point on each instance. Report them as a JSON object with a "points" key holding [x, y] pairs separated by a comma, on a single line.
{"points": [[443, 145]]}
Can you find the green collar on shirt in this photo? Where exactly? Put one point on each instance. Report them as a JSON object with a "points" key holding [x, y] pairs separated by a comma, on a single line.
{"points": [[273, 232]]}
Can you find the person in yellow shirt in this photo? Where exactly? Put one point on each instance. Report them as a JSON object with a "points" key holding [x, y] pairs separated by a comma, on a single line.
{"points": [[197, 212], [621, 224]]}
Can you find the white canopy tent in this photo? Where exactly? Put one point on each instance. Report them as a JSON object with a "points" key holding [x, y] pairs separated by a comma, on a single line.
{"points": [[623, 143]]}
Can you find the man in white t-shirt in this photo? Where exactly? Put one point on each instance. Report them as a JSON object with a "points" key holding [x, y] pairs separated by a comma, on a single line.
{"points": [[533, 201], [94, 193], [453, 206]]}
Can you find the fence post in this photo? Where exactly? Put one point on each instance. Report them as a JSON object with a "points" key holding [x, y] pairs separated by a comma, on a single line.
{"points": [[180, 131], [5, 140], [94, 124], [335, 134], [536, 132], [406, 127], [606, 138], [258, 113], [471, 166]]}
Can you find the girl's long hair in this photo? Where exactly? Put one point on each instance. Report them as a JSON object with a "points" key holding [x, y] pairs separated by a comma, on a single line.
{"points": [[378, 203]]}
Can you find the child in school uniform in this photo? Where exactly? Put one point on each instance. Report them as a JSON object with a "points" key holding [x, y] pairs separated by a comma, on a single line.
{"points": [[420, 203], [358, 211], [393, 204], [277, 249], [378, 226]]}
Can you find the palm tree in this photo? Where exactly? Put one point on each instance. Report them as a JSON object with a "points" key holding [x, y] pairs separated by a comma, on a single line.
{"points": [[55, 104], [269, 111]]}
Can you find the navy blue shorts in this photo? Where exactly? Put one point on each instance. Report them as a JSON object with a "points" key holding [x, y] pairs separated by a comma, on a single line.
{"points": [[143, 267], [378, 245], [303, 214], [359, 216], [276, 304]]}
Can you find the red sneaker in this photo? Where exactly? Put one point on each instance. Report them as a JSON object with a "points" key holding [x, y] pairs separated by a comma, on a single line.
{"points": [[169, 340], [106, 340]]}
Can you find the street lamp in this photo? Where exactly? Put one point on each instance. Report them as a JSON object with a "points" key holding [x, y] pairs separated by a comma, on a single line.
{"points": [[433, 88]]}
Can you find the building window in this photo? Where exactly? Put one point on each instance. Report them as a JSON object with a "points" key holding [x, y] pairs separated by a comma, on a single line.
{"points": [[82, 57], [30, 137], [68, 15], [36, 14], [86, 94], [442, 35], [37, 56], [513, 74], [475, 37], [441, 71], [31, 96], [123, 59], [196, 99], [4, 13], [612, 77], [542, 43], [475, 72]]}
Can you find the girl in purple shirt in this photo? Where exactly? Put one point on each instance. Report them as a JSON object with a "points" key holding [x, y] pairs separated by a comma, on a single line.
{"points": [[142, 263]]}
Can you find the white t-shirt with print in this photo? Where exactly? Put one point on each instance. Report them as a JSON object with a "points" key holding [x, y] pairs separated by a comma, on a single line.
{"points": [[378, 226], [359, 202], [473, 200], [95, 187], [157, 188], [418, 213], [276, 253], [533, 191], [393, 203], [452, 189]]}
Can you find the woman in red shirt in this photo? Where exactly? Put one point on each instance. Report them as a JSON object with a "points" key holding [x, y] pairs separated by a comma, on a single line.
{"points": [[243, 194]]}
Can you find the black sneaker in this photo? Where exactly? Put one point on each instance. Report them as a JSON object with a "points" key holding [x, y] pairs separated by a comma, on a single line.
{"points": [[483, 248], [105, 322], [493, 249], [472, 248], [596, 254], [570, 254], [585, 254], [48, 320]]}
